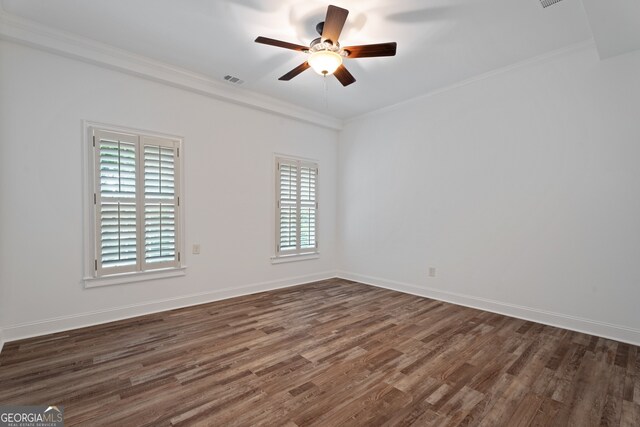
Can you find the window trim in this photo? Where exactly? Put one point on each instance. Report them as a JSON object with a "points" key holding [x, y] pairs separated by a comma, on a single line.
{"points": [[91, 278], [136, 276], [279, 257]]}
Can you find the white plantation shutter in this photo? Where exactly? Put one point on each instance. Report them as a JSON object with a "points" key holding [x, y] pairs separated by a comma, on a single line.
{"points": [[116, 207], [136, 199], [118, 232], [296, 211], [160, 202], [308, 207], [288, 211]]}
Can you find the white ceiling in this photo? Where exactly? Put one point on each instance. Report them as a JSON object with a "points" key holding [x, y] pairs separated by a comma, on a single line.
{"points": [[440, 42], [615, 25]]}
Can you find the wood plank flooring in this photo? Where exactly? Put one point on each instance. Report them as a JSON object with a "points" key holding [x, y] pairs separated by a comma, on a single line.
{"points": [[331, 353]]}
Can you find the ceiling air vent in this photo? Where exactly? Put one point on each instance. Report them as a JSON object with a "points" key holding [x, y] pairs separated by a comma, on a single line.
{"points": [[547, 3], [234, 80]]}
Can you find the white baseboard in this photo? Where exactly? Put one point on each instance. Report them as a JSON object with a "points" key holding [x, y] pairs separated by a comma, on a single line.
{"points": [[74, 321], [64, 323], [578, 324]]}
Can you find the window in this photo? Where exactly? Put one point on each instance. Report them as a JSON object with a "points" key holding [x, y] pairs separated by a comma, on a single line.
{"points": [[296, 207], [136, 202]]}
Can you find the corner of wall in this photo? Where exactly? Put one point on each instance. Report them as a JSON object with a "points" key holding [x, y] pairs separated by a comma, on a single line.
{"points": [[1, 340]]}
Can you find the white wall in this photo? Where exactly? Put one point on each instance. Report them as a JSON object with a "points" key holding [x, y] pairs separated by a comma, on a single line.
{"points": [[228, 191], [521, 189]]}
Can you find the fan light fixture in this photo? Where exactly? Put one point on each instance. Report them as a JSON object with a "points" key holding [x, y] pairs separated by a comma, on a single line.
{"points": [[325, 52], [324, 62]]}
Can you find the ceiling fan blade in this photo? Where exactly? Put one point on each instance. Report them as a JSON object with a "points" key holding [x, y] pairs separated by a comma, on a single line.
{"points": [[333, 23], [279, 43], [371, 50], [291, 74], [344, 76]]}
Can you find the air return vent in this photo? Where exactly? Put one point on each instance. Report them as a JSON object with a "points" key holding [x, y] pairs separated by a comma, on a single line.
{"points": [[234, 80], [547, 3]]}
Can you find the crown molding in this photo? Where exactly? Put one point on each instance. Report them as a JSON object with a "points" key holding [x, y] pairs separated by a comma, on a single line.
{"points": [[27, 32], [540, 59]]}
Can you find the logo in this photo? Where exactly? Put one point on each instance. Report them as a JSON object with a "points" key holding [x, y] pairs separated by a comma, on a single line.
{"points": [[32, 416]]}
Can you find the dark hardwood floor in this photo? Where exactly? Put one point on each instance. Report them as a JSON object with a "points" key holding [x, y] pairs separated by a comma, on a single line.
{"points": [[331, 353]]}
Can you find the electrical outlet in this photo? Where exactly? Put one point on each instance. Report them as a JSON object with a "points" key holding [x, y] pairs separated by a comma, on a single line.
{"points": [[196, 249], [432, 272]]}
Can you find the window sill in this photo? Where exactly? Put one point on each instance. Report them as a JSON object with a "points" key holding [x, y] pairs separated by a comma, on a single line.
{"points": [[294, 258], [138, 276]]}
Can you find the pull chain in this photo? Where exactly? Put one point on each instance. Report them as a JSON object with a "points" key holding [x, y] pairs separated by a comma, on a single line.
{"points": [[326, 97]]}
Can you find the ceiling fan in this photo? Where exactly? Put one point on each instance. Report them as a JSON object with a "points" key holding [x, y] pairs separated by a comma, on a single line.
{"points": [[325, 52]]}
